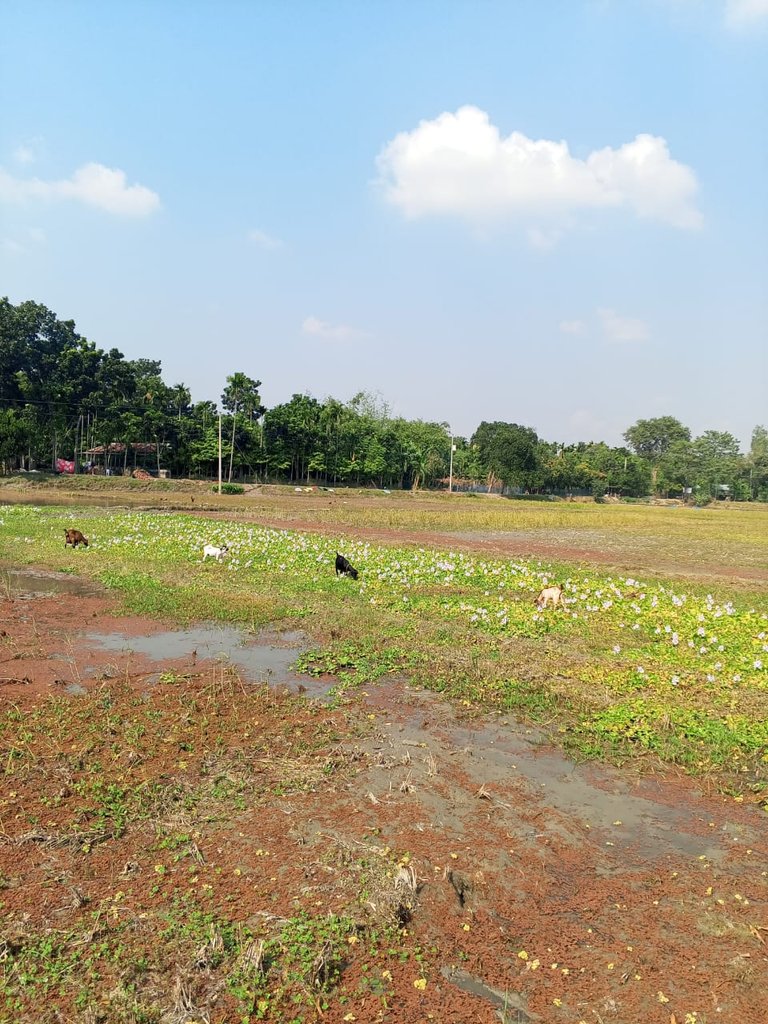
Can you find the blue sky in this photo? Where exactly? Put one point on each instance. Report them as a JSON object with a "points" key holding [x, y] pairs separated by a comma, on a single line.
{"points": [[553, 213]]}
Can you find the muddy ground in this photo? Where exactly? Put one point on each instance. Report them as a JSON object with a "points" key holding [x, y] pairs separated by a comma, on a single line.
{"points": [[523, 887]]}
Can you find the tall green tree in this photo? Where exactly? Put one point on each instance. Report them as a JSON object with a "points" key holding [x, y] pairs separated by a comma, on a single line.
{"points": [[652, 439], [46, 366], [717, 461], [757, 464], [509, 451], [292, 433], [241, 393]]}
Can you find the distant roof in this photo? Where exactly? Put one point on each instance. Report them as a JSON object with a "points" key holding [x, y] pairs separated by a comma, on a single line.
{"points": [[117, 448]]}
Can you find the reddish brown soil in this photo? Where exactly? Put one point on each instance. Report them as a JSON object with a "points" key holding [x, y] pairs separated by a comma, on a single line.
{"points": [[548, 891]]}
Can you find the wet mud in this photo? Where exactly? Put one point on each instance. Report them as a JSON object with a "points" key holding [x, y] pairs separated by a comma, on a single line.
{"points": [[547, 890]]}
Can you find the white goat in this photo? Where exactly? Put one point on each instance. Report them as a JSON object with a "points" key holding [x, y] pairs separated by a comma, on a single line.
{"points": [[214, 552]]}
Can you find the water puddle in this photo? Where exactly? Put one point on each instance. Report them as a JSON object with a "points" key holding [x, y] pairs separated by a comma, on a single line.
{"points": [[259, 660], [576, 802], [594, 795], [26, 584], [510, 1006]]}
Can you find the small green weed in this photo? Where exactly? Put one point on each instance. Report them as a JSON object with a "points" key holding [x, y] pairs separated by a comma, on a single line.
{"points": [[299, 966]]}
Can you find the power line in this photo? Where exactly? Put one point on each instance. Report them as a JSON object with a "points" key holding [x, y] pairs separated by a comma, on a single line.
{"points": [[81, 407]]}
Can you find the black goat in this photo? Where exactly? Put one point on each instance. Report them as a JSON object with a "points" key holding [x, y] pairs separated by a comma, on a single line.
{"points": [[345, 567]]}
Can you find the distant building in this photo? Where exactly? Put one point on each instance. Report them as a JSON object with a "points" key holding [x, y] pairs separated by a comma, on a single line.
{"points": [[119, 458]]}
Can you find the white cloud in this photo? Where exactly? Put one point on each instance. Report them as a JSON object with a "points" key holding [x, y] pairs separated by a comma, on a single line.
{"points": [[622, 328], [743, 13], [265, 241], [92, 184], [575, 327], [459, 164], [340, 332], [24, 154]]}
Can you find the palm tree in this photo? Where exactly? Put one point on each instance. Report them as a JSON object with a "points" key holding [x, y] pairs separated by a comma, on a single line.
{"points": [[242, 391]]}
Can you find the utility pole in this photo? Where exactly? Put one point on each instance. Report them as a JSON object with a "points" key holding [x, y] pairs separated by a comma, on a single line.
{"points": [[77, 453], [232, 449], [219, 453], [450, 471]]}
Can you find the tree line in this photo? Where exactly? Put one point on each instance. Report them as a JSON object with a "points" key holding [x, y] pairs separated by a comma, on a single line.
{"points": [[63, 398]]}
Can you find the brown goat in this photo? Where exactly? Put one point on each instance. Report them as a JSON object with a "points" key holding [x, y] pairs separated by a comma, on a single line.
{"points": [[551, 595], [74, 537]]}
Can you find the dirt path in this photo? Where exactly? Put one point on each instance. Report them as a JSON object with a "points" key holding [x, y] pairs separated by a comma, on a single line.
{"points": [[547, 891]]}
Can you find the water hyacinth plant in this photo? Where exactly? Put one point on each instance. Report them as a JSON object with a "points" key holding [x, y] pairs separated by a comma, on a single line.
{"points": [[638, 662]]}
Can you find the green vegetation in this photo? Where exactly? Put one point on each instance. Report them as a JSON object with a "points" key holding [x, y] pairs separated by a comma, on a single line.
{"points": [[630, 668], [62, 398]]}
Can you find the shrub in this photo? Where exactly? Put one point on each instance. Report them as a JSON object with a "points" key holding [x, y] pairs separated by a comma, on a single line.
{"points": [[229, 489]]}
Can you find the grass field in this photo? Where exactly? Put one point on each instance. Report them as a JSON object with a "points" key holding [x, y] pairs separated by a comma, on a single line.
{"points": [[632, 667], [724, 540]]}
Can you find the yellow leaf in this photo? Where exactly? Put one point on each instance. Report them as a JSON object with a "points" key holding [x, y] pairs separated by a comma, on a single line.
{"points": [[420, 983], [523, 955], [662, 998]]}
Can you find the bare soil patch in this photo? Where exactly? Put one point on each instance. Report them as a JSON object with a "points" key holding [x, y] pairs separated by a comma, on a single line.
{"points": [[477, 873]]}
